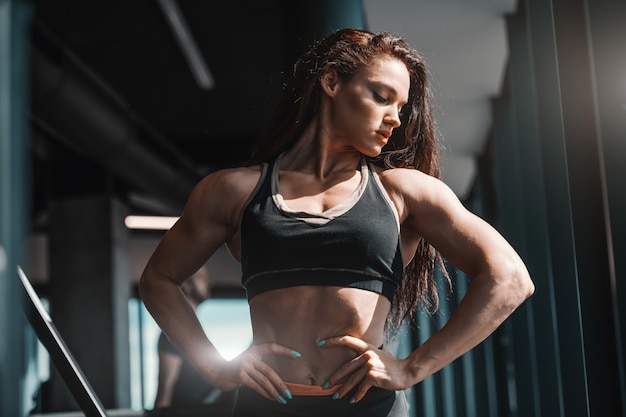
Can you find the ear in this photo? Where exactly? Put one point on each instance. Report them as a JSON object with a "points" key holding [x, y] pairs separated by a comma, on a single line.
{"points": [[330, 82]]}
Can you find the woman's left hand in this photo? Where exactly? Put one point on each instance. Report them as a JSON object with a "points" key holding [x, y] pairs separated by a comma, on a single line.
{"points": [[373, 367]]}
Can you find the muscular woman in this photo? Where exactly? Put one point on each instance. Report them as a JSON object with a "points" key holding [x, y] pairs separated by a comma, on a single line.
{"points": [[338, 222]]}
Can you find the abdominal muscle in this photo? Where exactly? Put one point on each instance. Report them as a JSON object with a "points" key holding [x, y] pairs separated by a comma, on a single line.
{"points": [[300, 317]]}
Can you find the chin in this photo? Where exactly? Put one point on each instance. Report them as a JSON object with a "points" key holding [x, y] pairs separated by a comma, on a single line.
{"points": [[372, 152]]}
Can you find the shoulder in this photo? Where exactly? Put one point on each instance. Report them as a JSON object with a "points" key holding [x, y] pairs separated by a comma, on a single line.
{"points": [[412, 190], [223, 193], [398, 177], [231, 182], [234, 179], [429, 209]]}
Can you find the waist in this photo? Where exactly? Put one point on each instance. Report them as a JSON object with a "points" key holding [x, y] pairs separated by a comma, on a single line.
{"points": [[300, 317]]}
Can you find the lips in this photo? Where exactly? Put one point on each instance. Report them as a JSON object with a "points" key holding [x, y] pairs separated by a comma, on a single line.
{"points": [[384, 133]]}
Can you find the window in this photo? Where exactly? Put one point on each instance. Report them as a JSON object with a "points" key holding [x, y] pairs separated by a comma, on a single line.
{"points": [[226, 322]]}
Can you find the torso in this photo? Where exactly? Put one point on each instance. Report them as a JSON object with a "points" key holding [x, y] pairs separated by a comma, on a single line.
{"points": [[299, 317]]}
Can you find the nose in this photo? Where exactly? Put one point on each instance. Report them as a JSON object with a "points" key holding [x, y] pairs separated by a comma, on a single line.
{"points": [[392, 118]]}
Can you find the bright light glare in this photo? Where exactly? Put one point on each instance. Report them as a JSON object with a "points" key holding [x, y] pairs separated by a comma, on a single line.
{"points": [[227, 324], [150, 222]]}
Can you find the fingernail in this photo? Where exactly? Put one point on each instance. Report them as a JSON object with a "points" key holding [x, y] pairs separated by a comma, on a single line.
{"points": [[282, 400], [335, 396], [296, 353], [288, 394], [352, 400], [321, 343], [326, 385]]}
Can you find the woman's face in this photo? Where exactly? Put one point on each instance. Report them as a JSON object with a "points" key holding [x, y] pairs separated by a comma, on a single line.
{"points": [[367, 108]]}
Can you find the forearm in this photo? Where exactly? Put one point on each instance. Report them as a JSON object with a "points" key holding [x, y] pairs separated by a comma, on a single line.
{"points": [[487, 303], [175, 316]]}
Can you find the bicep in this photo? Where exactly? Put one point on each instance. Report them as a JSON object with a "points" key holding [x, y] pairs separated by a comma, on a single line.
{"points": [[464, 239]]}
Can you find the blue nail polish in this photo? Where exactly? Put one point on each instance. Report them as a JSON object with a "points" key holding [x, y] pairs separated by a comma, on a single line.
{"points": [[288, 394], [326, 385], [321, 343], [352, 400], [296, 353], [282, 400], [335, 396]]}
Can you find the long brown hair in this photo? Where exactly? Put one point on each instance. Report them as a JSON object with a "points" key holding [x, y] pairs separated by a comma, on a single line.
{"points": [[347, 51]]}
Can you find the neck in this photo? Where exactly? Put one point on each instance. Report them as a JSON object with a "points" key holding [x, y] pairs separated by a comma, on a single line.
{"points": [[316, 152]]}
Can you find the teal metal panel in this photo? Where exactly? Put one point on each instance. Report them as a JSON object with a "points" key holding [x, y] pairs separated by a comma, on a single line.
{"points": [[543, 385], [573, 177], [15, 19], [519, 361], [559, 216], [572, 35], [426, 391], [486, 401]]}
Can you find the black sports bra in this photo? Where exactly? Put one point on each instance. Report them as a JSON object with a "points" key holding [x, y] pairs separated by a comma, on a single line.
{"points": [[354, 244]]}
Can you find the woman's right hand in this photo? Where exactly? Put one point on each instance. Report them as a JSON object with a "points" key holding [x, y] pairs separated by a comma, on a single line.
{"points": [[249, 370]]}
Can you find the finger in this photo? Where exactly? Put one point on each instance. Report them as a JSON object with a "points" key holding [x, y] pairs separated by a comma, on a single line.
{"points": [[278, 386], [361, 391], [258, 387], [354, 380], [262, 378], [245, 375], [354, 343], [342, 373], [257, 377], [273, 382]]}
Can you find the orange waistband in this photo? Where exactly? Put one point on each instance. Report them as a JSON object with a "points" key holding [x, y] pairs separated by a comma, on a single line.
{"points": [[311, 390]]}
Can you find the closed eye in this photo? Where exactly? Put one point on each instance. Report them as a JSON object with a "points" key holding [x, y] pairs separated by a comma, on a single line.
{"points": [[380, 99]]}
